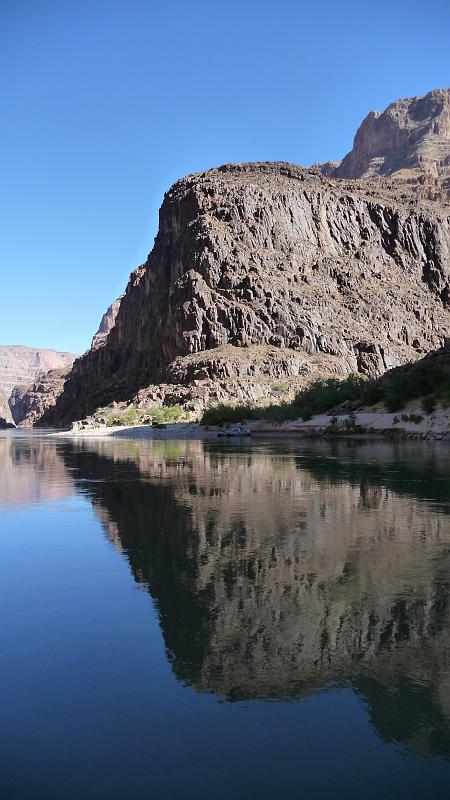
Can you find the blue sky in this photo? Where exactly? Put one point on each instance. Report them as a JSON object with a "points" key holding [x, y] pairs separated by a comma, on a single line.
{"points": [[105, 104]]}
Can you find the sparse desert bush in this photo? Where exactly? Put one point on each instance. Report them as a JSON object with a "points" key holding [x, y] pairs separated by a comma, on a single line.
{"points": [[319, 396], [415, 418], [166, 414], [136, 416], [325, 393], [429, 403], [129, 416], [422, 380]]}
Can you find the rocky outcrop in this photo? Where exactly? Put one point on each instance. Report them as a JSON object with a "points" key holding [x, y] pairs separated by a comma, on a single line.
{"points": [[107, 322], [6, 420], [20, 365], [275, 256], [29, 403], [409, 142]]}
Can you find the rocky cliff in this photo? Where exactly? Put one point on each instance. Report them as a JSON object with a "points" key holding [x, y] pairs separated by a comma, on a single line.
{"points": [[6, 419], [107, 323], [28, 403], [271, 255], [409, 142], [20, 365]]}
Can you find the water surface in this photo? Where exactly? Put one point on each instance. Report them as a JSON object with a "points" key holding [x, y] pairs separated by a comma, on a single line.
{"points": [[224, 620]]}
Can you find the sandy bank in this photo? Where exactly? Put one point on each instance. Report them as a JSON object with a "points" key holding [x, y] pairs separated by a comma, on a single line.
{"points": [[373, 422]]}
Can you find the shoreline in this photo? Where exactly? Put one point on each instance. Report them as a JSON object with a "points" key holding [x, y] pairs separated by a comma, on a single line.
{"points": [[373, 423]]}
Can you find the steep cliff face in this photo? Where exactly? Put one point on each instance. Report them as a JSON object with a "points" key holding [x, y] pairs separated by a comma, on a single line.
{"points": [[29, 403], [107, 323], [6, 419], [409, 142], [20, 365], [274, 255]]}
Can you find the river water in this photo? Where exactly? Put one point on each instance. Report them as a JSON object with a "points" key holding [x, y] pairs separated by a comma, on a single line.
{"points": [[224, 620]]}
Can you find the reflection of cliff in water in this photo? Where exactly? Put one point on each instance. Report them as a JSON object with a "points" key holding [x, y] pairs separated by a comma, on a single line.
{"points": [[278, 571], [31, 470]]}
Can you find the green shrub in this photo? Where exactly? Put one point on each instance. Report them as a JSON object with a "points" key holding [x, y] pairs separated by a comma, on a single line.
{"points": [[128, 417], [429, 404], [324, 393], [371, 393], [415, 418], [427, 380], [225, 413], [394, 401], [167, 414]]}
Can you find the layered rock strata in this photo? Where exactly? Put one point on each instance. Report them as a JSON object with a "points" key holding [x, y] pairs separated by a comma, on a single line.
{"points": [[29, 403], [20, 365], [409, 142]]}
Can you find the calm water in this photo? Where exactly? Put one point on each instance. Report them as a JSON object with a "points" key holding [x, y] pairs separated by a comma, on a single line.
{"points": [[207, 620]]}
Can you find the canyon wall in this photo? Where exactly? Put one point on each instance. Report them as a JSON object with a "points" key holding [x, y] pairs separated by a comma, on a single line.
{"points": [[27, 404], [274, 255], [409, 142], [20, 365]]}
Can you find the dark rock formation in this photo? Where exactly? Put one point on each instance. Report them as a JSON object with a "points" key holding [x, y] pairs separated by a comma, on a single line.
{"points": [[29, 403], [274, 256], [409, 142]]}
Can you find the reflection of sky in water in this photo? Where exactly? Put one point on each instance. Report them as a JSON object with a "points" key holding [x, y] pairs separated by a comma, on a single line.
{"points": [[317, 573]]}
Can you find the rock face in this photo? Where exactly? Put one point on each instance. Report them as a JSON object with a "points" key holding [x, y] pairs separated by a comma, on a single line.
{"points": [[19, 365], [276, 256], [6, 419], [409, 142], [29, 403], [106, 323]]}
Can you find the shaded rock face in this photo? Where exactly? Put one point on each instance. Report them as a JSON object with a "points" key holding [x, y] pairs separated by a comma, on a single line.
{"points": [[29, 403], [20, 365], [273, 255], [107, 322], [6, 419], [409, 142]]}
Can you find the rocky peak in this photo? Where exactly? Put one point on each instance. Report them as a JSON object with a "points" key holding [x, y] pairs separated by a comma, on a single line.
{"points": [[107, 322], [409, 142]]}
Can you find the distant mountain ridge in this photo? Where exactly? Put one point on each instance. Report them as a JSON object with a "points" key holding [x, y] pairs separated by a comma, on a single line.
{"points": [[20, 364], [409, 142]]}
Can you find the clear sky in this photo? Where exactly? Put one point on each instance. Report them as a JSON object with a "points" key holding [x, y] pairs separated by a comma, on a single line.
{"points": [[106, 102]]}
